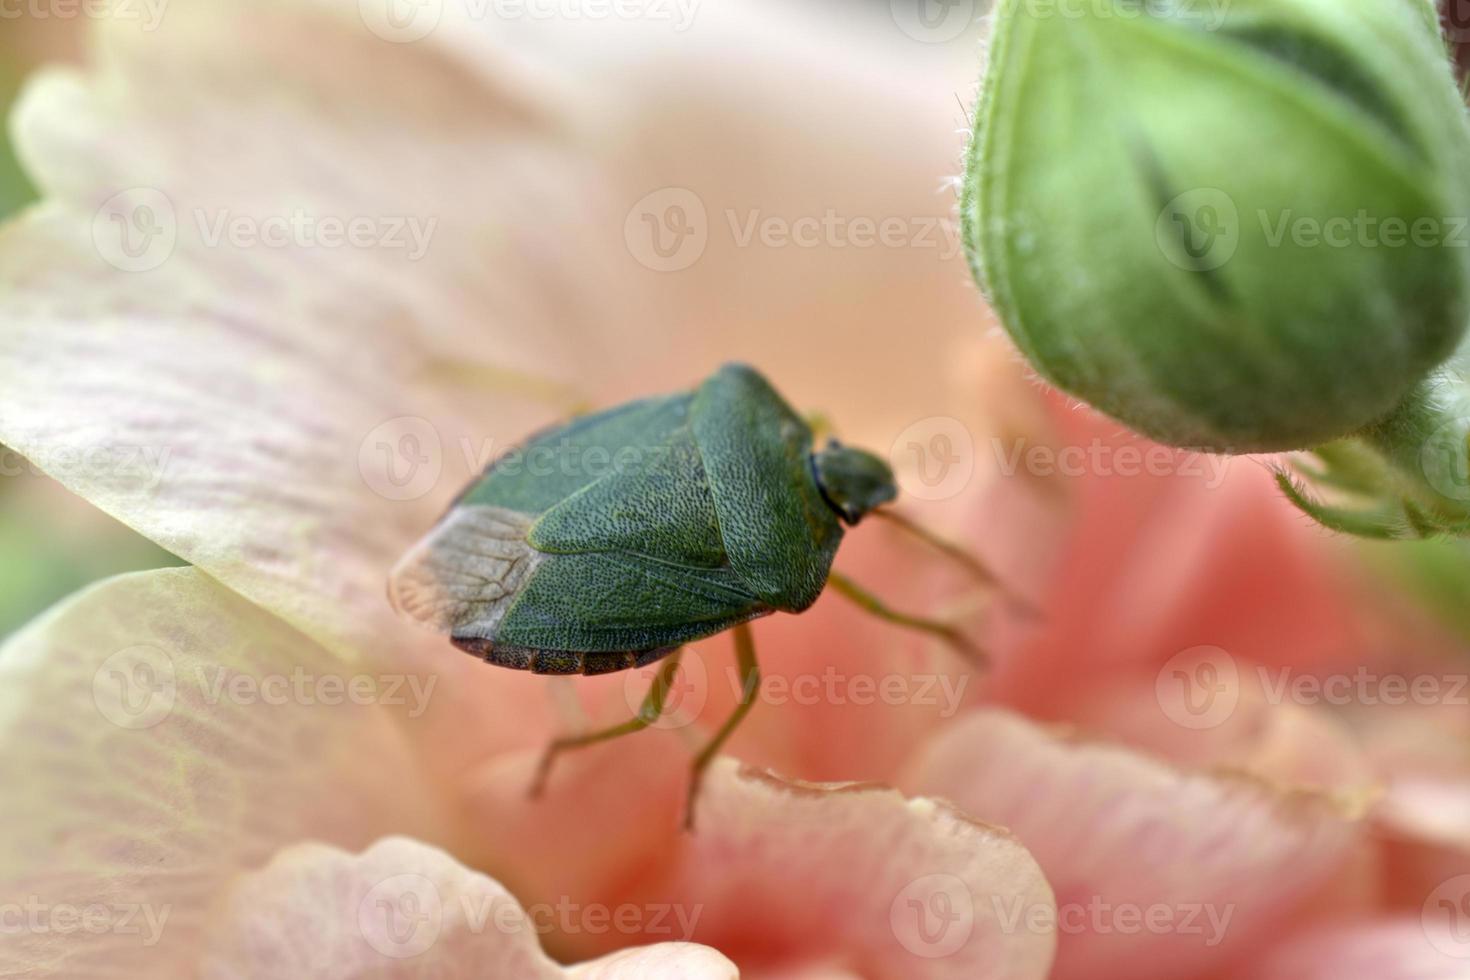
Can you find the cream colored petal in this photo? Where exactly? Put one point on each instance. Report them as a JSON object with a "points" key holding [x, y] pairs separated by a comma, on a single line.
{"points": [[666, 961], [275, 321], [401, 909], [161, 736]]}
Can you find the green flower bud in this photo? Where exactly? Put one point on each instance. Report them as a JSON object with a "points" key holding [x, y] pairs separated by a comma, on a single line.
{"points": [[1234, 225]]}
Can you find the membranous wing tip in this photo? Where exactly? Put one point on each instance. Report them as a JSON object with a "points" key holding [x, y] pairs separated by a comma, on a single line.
{"points": [[465, 574]]}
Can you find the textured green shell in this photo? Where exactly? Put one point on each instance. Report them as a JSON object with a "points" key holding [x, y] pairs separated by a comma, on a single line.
{"points": [[604, 543]]}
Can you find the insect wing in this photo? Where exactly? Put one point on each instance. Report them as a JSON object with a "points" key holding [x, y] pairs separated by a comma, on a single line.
{"points": [[662, 508], [465, 574], [779, 533], [606, 601]]}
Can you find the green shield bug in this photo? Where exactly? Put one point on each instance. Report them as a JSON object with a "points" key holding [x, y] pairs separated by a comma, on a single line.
{"points": [[613, 540]]}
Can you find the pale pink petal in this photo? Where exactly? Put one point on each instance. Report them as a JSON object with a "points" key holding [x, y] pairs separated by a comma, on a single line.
{"points": [[1169, 551], [1189, 716], [1388, 950], [1158, 871], [1422, 751], [666, 961], [161, 735], [1422, 754], [402, 909], [778, 875]]}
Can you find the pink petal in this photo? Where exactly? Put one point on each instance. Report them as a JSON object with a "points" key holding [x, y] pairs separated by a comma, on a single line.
{"points": [[778, 875], [403, 909], [1158, 872], [1423, 821], [1170, 714], [899, 888], [1190, 574], [1388, 950], [161, 735]]}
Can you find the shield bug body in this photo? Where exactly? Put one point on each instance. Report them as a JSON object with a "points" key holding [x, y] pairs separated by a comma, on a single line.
{"points": [[609, 542]]}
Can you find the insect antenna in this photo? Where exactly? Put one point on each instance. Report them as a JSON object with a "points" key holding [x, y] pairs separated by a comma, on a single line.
{"points": [[961, 556], [948, 632]]}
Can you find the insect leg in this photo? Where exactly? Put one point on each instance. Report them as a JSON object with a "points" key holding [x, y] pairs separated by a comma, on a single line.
{"points": [[750, 685], [959, 555], [648, 713], [947, 632]]}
